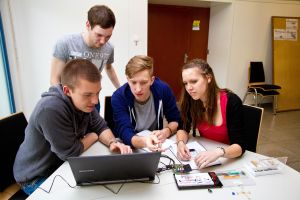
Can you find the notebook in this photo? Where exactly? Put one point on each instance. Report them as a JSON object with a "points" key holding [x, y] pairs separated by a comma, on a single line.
{"points": [[115, 168]]}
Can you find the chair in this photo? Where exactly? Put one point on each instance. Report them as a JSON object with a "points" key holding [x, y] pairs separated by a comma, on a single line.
{"points": [[258, 87], [252, 117], [108, 114], [12, 129]]}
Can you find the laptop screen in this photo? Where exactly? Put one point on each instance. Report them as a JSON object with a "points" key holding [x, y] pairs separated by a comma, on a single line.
{"points": [[115, 168]]}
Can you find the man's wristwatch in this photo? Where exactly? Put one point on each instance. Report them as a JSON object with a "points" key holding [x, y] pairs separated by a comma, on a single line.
{"points": [[171, 132], [180, 141], [222, 148], [112, 141]]}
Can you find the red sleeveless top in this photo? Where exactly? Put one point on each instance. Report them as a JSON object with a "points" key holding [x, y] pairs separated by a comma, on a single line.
{"points": [[217, 133]]}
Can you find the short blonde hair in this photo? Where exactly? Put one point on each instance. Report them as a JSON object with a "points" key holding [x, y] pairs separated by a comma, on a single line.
{"points": [[137, 64]]}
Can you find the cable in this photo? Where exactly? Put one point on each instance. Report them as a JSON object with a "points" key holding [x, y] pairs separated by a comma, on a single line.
{"points": [[175, 156], [105, 186], [53, 183], [151, 182], [165, 156], [129, 181], [113, 190], [166, 167]]}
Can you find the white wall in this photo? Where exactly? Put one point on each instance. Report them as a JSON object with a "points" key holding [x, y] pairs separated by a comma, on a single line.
{"points": [[240, 32], [36, 25], [219, 40], [252, 38]]}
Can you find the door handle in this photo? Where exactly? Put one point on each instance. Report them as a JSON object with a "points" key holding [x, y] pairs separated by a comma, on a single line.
{"points": [[185, 58]]}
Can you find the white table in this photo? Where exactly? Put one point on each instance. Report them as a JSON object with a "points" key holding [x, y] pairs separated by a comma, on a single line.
{"points": [[278, 186]]}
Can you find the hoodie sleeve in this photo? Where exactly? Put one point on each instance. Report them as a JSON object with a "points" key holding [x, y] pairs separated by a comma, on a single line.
{"points": [[96, 123], [122, 117], [234, 117], [170, 108], [59, 131]]}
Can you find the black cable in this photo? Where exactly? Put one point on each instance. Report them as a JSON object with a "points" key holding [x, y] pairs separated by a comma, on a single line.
{"points": [[171, 159], [175, 156], [115, 192], [105, 186], [152, 182], [166, 167], [53, 183], [129, 181], [163, 163]]}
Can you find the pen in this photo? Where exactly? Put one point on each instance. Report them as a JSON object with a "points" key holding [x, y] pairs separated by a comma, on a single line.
{"points": [[233, 173]]}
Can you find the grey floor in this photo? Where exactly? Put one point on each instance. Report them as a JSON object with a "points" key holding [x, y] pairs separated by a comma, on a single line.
{"points": [[280, 136]]}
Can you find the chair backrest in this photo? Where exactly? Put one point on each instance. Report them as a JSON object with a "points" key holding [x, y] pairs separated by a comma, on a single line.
{"points": [[256, 72], [252, 117], [12, 130], [108, 114]]}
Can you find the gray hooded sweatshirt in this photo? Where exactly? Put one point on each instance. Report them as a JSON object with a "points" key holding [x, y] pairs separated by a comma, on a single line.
{"points": [[53, 134]]}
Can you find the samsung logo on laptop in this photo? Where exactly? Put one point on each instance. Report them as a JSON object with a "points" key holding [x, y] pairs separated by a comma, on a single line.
{"points": [[86, 171]]}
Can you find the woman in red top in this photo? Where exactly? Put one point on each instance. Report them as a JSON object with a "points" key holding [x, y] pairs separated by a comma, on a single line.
{"points": [[215, 112]]}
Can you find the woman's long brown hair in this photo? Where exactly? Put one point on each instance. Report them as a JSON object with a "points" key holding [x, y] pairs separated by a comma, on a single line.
{"points": [[192, 111]]}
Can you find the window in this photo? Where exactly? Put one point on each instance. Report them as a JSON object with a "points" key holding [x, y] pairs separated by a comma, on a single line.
{"points": [[7, 104]]}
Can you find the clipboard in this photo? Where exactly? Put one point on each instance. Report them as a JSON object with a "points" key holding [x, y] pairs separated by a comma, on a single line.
{"points": [[197, 180]]}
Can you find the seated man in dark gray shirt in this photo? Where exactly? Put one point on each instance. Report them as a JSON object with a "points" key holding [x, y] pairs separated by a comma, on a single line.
{"points": [[64, 123]]}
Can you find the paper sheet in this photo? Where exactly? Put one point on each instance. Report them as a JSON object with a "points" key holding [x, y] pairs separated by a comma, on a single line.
{"points": [[198, 148]]}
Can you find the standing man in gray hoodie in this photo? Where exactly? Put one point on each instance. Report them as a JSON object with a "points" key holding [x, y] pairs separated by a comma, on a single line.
{"points": [[64, 123]]}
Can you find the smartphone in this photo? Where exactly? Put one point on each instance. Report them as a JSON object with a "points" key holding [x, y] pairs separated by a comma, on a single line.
{"points": [[193, 153]]}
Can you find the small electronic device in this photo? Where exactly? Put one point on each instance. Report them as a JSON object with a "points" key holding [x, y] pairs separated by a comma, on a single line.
{"points": [[181, 168], [197, 180], [193, 153]]}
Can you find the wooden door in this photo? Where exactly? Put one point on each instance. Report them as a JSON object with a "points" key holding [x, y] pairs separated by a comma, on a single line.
{"points": [[172, 39], [286, 62]]}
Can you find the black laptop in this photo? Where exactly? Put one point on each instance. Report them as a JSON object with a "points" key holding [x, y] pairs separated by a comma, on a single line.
{"points": [[115, 168]]}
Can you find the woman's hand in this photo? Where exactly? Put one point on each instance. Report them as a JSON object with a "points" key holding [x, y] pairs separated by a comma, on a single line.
{"points": [[183, 152], [206, 157]]}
